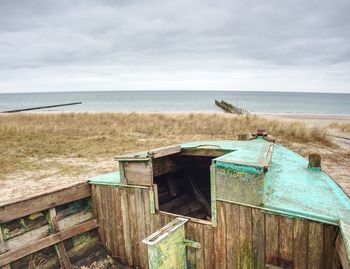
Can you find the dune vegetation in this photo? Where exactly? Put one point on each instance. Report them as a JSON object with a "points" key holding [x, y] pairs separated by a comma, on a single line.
{"points": [[33, 141]]}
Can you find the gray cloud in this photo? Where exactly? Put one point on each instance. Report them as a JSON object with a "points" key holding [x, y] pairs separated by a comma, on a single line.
{"points": [[93, 44]]}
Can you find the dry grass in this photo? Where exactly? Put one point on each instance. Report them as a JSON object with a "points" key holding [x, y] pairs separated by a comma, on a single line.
{"points": [[343, 127], [28, 141]]}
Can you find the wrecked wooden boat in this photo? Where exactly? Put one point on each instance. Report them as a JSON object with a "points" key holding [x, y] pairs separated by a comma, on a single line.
{"points": [[210, 204]]}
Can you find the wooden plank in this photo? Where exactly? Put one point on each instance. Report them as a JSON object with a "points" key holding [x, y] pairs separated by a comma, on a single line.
{"points": [[339, 244], [138, 173], [300, 260], [271, 238], [140, 207], [232, 233], [203, 152], [208, 249], [328, 245], [97, 205], [2, 242], [220, 237], [164, 151], [109, 209], [24, 208], [286, 239], [60, 249], [315, 245], [191, 252], [198, 237], [118, 225], [133, 215], [245, 237], [126, 226], [41, 232], [258, 236], [13, 255]]}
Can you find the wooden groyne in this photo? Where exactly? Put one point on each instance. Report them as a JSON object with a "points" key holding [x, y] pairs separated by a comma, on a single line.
{"points": [[40, 107], [229, 108]]}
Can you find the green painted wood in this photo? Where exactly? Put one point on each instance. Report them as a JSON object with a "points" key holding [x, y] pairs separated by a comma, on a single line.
{"points": [[167, 247]]}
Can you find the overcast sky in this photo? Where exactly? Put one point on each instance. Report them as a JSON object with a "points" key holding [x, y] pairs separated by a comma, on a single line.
{"points": [[276, 45]]}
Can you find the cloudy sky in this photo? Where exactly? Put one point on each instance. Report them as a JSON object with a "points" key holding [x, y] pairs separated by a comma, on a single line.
{"points": [[278, 45]]}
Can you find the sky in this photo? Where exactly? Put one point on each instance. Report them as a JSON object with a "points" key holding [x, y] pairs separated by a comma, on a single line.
{"points": [[270, 45]]}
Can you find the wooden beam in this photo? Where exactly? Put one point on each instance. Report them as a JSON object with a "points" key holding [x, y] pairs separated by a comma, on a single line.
{"points": [[59, 247], [39, 203], [14, 255], [165, 151]]}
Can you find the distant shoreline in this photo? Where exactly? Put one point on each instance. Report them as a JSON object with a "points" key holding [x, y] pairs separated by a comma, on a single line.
{"points": [[312, 119]]}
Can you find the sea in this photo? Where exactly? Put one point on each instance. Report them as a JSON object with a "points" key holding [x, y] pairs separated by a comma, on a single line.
{"points": [[181, 101]]}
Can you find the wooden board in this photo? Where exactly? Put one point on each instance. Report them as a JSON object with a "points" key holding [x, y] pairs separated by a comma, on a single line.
{"points": [[24, 208], [137, 172], [13, 255], [165, 151]]}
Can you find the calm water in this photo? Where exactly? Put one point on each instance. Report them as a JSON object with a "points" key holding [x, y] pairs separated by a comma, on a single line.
{"points": [[173, 101]]}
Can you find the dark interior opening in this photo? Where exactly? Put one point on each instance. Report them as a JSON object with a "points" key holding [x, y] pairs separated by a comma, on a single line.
{"points": [[184, 185]]}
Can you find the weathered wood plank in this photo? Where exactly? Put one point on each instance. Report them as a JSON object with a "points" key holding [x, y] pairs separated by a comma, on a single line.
{"points": [[60, 249], [164, 151], [39, 233], [141, 226], [24, 208], [286, 239], [120, 250], [97, 205], [13, 255], [126, 226], [271, 238], [2, 242], [220, 237], [300, 244], [232, 235], [198, 237], [342, 252], [163, 166], [328, 245], [258, 235], [191, 252], [138, 173], [315, 245], [245, 237], [209, 247]]}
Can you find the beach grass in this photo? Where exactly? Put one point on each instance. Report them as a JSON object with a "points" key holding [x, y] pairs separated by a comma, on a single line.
{"points": [[39, 141], [343, 127]]}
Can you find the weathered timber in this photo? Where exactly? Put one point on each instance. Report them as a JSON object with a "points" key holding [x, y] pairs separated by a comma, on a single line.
{"points": [[59, 247], [340, 246], [13, 255], [165, 151], [42, 202], [40, 107], [41, 232], [2, 242], [314, 160], [137, 173]]}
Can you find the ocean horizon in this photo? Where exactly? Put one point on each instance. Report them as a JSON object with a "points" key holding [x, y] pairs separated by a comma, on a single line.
{"points": [[181, 101]]}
